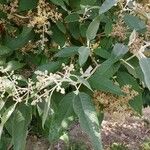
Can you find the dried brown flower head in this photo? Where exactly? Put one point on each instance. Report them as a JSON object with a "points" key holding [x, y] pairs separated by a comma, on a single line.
{"points": [[28, 47], [136, 44], [147, 34], [119, 30], [113, 104], [41, 20], [142, 9], [45, 11], [12, 9]]}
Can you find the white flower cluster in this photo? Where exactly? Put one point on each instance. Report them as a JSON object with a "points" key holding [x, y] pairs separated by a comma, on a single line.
{"points": [[42, 89], [9, 85]]}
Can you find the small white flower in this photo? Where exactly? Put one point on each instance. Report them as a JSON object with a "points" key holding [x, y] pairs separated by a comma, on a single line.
{"points": [[62, 91]]}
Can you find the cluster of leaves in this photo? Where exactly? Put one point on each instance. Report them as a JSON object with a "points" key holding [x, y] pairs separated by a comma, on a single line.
{"points": [[85, 34]]}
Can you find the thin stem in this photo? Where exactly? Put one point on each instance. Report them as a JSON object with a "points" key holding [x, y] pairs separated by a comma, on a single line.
{"points": [[127, 63], [130, 58]]}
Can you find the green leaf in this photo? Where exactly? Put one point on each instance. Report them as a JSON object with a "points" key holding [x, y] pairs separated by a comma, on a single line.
{"points": [[74, 29], [108, 28], [24, 5], [66, 1], [3, 1], [46, 110], [21, 119], [83, 28], [4, 50], [62, 116], [137, 103], [5, 142], [124, 78], [131, 69], [119, 51], [13, 65], [72, 17], [93, 28], [67, 52], [2, 61], [102, 52], [103, 69], [58, 36], [98, 82], [108, 4], [84, 82], [112, 70], [50, 67], [84, 53], [18, 42], [6, 115], [61, 26], [59, 3], [65, 108], [145, 66], [88, 2], [134, 22], [85, 110]]}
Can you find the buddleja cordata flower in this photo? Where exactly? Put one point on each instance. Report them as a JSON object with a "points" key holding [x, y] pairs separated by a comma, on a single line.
{"points": [[44, 87]]}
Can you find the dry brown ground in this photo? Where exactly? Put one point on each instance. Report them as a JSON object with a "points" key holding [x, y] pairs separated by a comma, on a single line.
{"points": [[133, 132]]}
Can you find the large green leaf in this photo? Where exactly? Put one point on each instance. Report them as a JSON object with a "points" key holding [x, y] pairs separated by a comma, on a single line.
{"points": [[88, 2], [58, 36], [124, 78], [6, 115], [108, 4], [24, 5], [103, 69], [74, 29], [61, 26], [50, 67], [119, 51], [98, 82], [85, 110], [21, 119], [5, 142], [3, 1], [84, 82], [145, 66], [67, 52], [112, 70], [72, 17], [4, 50], [65, 108], [13, 65], [84, 53], [18, 42], [62, 116], [46, 110], [134, 22], [102, 52], [93, 28], [83, 29], [2, 60]]}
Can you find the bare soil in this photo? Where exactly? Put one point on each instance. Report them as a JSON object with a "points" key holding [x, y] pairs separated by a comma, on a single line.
{"points": [[132, 133]]}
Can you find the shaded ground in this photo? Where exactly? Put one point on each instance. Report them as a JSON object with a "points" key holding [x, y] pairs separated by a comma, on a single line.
{"points": [[132, 133]]}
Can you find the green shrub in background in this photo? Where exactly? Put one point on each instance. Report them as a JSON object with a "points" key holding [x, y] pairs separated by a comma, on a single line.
{"points": [[62, 60]]}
